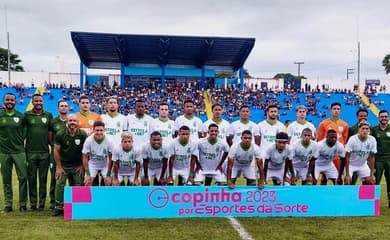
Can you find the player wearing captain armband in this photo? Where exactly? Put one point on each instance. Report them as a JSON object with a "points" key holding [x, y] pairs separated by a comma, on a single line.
{"points": [[126, 162], [212, 154], [360, 158], [240, 161], [278, 161], [305, 153], [155, 157], [328, 149], [97, 156], [184, 156]]}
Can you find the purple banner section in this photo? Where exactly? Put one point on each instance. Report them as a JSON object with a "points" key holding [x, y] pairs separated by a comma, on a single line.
{"points": [[197, 201]]}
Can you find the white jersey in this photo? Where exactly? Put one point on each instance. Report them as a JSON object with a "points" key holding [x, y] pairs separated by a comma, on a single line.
{"points": [[210, 153], [183, 154], [237, 127], [114, 126], [277, 159], [97, 152], [268, 132], [223, 127], [303, 154], [139, 128], [155, 156], [245, 157], [360, 150], [127, 160], [326, 154], [166, 129], [194, 123], [294, 130]]}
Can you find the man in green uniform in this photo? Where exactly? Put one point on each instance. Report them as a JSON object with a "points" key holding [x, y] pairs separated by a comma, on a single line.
{"points": [[12, 152], [381, 133], [56, 125], [37, 123], [68, 144]]}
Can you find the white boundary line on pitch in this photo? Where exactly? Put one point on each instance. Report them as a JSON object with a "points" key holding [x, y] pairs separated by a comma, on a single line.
{"points": [[240, 229]]}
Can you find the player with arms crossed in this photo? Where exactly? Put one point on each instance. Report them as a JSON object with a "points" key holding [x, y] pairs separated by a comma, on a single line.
{"points": [[212, 154], [155, 157], [97, 156], [240, 160], [126, 162], [278, 160], [184, 156], [328, 149], [360, 158], [305, 153]]}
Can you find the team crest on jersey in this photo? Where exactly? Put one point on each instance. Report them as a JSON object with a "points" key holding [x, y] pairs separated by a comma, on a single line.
{"points": [[169, 126], [77, 141], [194, 124], [388, 134], [104, 151], [145, 124], [160, 153], [188, 150], [217, 150], [3, 120], [341, 128], [32, 121], [90, 122], [44, 120], [118, 124], [367, 146]]}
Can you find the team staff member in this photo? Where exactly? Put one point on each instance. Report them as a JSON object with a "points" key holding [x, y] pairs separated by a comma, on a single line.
{"points": [[38, 137], [341, 128], [68, 144], [381, 133], [85, 116], [56, 125], [12, 152]]}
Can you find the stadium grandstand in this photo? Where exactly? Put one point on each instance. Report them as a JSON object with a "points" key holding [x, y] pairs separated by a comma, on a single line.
{"points": [[163, 68]]}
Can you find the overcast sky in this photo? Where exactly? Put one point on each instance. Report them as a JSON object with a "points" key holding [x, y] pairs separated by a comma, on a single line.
{"points": [[321, 33]]}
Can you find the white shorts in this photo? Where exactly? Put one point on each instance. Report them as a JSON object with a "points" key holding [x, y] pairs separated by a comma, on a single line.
{"points": [[216, 175], [276, 175], [121, 177], [184, 173], [301, 173], [362, 171], [247, 170], [154, 173], [329, 170], [94, 171]]}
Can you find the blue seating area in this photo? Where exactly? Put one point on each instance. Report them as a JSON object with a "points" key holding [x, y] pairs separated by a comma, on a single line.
{"points": [[287, 103]]}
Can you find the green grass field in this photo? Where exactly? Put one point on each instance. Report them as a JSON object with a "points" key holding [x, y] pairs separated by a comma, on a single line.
{"points": [[40, 225]]}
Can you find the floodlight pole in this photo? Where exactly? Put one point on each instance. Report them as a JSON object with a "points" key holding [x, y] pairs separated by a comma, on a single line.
{"points": [[299, 67], [8, 50], [358, 67]]}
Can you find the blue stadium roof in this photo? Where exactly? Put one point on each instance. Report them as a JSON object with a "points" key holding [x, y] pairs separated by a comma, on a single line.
{"points": [[108, 51]]}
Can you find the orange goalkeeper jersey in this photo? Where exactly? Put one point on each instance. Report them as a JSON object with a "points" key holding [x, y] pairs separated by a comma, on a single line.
{"points": [[339, 126], [87, 120]]}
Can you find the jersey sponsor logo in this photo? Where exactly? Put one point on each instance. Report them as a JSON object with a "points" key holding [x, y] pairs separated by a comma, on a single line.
{"points": [[44, 120], [77, 141]]}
